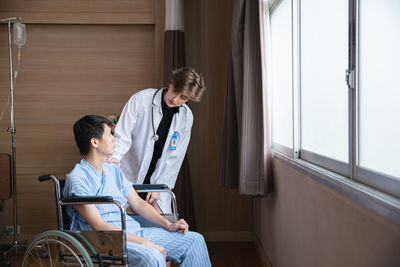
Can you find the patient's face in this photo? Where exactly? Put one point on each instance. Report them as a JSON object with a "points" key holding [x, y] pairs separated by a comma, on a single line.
{"points": [[175, 99], [106, 144]]}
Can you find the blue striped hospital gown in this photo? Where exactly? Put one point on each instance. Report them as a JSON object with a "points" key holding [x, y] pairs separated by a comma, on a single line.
{"points": [[84, 180]]}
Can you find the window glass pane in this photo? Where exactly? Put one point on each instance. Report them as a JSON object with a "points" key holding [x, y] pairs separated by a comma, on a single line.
{"points": [[281, 78], [324, 93], [379, 94]]}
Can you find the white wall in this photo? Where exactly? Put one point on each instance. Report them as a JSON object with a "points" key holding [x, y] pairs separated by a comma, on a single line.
{"points": [[305, 223]]}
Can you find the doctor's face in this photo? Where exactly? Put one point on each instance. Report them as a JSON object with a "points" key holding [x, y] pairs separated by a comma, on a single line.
{"points": [[173, 98]]}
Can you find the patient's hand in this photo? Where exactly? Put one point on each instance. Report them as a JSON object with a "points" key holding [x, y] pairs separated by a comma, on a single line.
{"points": [[114, 160], [159, 248], [179, 226]]}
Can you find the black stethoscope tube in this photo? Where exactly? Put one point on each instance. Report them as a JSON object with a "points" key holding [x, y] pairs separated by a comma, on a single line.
{"points": [[155, 136]]}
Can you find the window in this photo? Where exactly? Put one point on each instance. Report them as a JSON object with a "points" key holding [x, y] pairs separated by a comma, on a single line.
{"points": [[281, 78], [323, 91], [379, 94], [334, 89]]}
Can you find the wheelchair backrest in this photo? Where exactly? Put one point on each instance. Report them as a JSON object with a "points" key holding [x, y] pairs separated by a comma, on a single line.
{"points": [[63, 222], [64, 215], [111, 245]]}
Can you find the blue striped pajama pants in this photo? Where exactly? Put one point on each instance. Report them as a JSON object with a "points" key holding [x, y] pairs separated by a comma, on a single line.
{"points": [[187, 249]]}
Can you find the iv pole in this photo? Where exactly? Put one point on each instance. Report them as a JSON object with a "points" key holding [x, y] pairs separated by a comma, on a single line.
{"points": [[12, 131]]}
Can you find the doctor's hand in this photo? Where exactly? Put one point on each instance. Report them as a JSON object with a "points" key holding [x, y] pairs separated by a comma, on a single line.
{"points": [[152, 197], [180, 226], [113, 160]]}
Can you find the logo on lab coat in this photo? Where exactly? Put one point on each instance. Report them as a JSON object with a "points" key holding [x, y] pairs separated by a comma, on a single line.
{"points": [[174, 140]]}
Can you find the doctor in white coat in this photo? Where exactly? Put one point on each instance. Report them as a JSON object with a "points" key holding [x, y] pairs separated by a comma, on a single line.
{"points": [[153, 133]]}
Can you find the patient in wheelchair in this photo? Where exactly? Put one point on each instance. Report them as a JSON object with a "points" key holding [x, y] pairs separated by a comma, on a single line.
{"points": [[147, 246]]}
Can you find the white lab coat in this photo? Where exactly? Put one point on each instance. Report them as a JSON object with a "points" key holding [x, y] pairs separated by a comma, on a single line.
{"points": [[134, 145]]}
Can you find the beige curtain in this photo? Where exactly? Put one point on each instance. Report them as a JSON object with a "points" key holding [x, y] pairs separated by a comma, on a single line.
{"points": [[246, 160]]}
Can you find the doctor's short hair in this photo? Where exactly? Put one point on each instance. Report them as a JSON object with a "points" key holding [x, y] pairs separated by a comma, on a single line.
{"points": [[88, 127], [188, 79]]}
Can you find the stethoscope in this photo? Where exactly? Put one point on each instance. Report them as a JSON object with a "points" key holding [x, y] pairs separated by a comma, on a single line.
{"points": [[155, 136]]}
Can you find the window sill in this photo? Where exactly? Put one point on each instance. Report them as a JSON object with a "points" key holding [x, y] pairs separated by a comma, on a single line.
{"points": [[382, 203]]}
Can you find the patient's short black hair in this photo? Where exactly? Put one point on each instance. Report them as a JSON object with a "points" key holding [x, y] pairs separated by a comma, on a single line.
{"points": [[86, 128]]}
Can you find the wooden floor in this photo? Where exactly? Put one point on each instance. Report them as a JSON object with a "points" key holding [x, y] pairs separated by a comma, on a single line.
{"points": [[222, 254], [233, 254]]}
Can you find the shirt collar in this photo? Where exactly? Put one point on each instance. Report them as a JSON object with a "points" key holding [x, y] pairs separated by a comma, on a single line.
{"points": [[157, 100], [164, 105], [159, 97], [84, 162]]}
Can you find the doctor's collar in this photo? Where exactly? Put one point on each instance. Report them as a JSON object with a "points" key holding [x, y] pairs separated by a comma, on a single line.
{"points": [[164, 105], [158, 97]]}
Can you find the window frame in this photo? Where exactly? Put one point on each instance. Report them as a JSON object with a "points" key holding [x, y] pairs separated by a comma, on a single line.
{"points": [[276, 146], [376, 181]]}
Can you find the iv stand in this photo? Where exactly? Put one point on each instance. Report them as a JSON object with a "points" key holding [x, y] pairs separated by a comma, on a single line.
{"points": [[15, 244]]}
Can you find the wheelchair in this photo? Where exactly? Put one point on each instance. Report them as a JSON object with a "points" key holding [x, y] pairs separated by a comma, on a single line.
{"points": [[65, 247]]}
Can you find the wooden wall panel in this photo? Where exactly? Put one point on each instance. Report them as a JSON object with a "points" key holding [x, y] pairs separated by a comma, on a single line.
{"points": [[69, 70], [81, 12]]}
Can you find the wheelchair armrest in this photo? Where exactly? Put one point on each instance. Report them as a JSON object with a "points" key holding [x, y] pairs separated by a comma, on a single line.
{"points": [[150, 187], [87, 199]]}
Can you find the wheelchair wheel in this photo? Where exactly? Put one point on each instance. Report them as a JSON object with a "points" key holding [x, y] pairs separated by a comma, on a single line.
{"points": [[56, 248]]}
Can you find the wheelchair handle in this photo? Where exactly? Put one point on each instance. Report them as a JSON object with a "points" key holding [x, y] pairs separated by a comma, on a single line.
{"points": [[46, 177]]}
